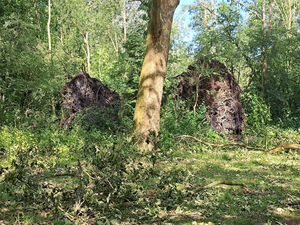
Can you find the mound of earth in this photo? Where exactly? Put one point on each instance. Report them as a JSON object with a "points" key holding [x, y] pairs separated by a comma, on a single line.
{"points": [[209, 81], [86, 92]]}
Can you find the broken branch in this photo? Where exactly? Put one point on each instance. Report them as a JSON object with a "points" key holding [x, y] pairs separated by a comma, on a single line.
{"points": [[291, 146]]}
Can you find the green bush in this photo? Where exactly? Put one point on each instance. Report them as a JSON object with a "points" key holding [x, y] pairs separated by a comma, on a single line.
{"points": [[257, 112]]}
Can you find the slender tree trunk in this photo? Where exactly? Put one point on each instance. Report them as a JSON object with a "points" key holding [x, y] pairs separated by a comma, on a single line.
{"points": [[99, 66], [270, 17], [85, 36], [205, 20], [48, 30], [147, 110], [204, 3], [288, 9], [125, 21], [264, 48], [266, 35], [38, 16]]}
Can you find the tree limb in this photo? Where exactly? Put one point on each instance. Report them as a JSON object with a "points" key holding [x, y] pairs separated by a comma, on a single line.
{"points": [[291, 146], [219, 183]]}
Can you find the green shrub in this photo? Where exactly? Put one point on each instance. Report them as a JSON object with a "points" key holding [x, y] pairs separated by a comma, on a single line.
{"points": [[256, 110]]}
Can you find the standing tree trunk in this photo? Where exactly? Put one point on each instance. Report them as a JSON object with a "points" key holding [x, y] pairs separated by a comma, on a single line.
{"points": [[264, 48], [85, 36], [125, 22], [288, 10], [48, 30], [266, 36], [147, 109]]}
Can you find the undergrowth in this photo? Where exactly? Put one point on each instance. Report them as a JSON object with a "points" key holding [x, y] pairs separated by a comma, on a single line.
{"points": [[94, 175]]}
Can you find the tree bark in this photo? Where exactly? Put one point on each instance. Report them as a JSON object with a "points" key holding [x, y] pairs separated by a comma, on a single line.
{"points": [[264, 48], [147, 110], [125, 21], [266, 36], [85, 36], [48, 30]]}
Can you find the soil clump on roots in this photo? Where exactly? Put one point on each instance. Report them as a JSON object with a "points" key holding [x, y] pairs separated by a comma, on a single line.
{"points": [[210, 82], [86, 94]]}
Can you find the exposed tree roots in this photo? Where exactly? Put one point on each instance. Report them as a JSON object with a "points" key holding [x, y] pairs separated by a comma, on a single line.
{"points": [[208, 81]]}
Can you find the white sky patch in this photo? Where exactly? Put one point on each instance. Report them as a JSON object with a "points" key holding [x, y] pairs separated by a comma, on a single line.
{"points": [[185, 18]]}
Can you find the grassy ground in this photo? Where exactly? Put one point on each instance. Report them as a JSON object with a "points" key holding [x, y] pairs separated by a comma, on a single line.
{"points": [[108, 182]]}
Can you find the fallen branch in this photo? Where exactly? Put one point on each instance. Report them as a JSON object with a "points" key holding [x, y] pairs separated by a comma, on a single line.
{"points": [[192, 215], [287, 146], [219, 183], [220, 145]]}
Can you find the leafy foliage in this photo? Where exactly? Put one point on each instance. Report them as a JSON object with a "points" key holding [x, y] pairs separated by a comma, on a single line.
{"points": [[91, 172], [82, 177], [236, 33], [258, 114]]}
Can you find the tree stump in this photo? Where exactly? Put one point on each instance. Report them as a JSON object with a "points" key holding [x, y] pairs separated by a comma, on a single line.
{"points": [[209, 81]]}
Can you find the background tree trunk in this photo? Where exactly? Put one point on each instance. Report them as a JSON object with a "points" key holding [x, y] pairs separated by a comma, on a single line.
{"points": [[48, 30], [85, 36], [266, 37], [147, 110]]}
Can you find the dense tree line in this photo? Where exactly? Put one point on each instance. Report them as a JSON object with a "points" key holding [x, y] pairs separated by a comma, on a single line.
{"points": [[43, 42]]}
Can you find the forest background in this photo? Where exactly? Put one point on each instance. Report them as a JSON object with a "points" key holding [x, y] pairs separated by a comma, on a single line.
{"points": [[92, 172]]}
